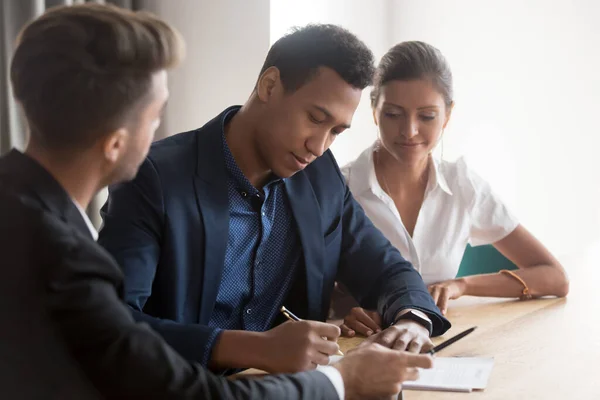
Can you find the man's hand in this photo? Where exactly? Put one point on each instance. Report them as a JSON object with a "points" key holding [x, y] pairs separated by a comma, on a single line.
{"points": [[373, 371], [296, 346], [404, 335], [361, 321], [447, 290]]}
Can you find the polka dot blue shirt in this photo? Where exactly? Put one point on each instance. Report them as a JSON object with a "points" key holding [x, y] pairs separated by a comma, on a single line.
{"points": [[263, 250]]}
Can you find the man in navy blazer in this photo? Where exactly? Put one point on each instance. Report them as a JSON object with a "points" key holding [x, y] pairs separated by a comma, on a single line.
{"points": [[226, 223]]}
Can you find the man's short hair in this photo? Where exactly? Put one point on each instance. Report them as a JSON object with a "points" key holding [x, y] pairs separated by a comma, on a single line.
{"points": [[299, 54], [80, 71]]}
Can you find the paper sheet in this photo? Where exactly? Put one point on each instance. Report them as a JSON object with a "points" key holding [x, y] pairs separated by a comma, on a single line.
{"points": [[453, 374], [332, 360]]}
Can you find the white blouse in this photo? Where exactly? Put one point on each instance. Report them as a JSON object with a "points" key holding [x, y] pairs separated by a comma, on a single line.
{"points": [[459, 207]]}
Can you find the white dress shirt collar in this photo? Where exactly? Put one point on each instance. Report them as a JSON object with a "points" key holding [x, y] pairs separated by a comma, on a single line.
{"points": [[458, 208], [363, 177], [87, 220]]}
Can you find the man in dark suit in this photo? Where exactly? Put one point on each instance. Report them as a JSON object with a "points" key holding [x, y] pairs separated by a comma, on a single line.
{"points": [[92, 82], [225, 224]]}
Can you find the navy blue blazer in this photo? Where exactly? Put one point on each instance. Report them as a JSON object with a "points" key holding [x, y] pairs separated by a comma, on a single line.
{"points": [[168, 230]]}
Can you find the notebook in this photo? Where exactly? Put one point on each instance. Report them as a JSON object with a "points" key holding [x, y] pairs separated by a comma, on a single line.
{"points": [[454, 374]]}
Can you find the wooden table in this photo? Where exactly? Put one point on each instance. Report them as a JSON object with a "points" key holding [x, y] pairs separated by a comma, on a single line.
{"points": [[543, 349]]}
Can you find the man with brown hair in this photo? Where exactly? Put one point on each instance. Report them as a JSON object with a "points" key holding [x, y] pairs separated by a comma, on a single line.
{"points": [[92, 83]]}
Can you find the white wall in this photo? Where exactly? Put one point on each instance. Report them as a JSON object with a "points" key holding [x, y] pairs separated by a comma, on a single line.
{"points": [[526, 81], [227, 41], [366, 19], [527, 88], [527, 93]]}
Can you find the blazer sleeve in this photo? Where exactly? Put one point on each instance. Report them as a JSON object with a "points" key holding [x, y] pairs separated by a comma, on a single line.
{"points": [[126, 359], [133, 225], [375, 272]]}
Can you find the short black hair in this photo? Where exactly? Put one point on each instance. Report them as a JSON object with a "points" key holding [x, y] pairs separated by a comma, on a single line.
{"points": [[301, 52]]}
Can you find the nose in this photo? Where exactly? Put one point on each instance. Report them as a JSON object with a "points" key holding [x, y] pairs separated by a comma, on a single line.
{"points": [[318, 144], [411, 128]]}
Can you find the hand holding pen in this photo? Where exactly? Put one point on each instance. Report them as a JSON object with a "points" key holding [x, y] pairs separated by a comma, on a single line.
{"points": [[292, 317]]}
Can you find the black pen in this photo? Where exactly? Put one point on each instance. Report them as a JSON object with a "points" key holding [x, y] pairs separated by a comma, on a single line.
{"points": [[290, 315], [448, 342]]}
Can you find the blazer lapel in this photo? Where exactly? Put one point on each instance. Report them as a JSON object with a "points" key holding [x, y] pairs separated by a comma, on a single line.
{"points": [[210, 186], [306, 213], [30, 178]]}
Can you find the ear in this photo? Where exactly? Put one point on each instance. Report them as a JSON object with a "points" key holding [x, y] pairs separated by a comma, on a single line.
{"points": [[448, 114], [268, 84], [114, 145]]}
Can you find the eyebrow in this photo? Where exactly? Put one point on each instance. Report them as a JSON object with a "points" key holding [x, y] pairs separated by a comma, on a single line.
{"points": [[386, 103], [329, 116]]}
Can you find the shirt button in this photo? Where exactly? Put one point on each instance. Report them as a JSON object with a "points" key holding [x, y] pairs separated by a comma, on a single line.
{"points": [[244, 194], [248, 311], [263, 214]]}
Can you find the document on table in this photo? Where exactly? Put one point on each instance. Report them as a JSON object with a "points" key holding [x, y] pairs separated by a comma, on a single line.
{"points": [[449, 374], [332, 360], [454, 374]]}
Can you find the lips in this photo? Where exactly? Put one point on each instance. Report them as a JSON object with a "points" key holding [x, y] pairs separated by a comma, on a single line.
{"points": [[302, 161], [410, 144]]}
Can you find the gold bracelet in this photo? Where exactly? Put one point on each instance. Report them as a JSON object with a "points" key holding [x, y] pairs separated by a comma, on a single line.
{"points": [[526, 292]]}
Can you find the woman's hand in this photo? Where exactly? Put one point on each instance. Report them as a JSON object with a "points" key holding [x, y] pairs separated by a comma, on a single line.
{"points": [[362, 321], [368, 322], [447, 290]]}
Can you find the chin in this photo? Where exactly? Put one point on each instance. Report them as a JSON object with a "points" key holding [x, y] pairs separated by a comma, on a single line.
{"points": [[130, 174], [123, 175], [284, 172], [412, 155]]}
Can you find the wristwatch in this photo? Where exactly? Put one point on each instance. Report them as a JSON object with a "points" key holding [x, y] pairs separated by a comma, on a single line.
{"points": [[418, 317]]}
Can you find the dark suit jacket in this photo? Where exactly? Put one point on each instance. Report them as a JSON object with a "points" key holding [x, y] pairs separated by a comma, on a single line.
{"points": [[66, 334], [168, 230]]}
